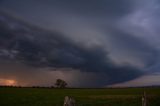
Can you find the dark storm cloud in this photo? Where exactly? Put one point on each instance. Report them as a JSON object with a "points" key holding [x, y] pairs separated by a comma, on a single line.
{"points": [[105, 8], [133, 46], [92, 7], [107, 41], [1, 1], [38, 48]]}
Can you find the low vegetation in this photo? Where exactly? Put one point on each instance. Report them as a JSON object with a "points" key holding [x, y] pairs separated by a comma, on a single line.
{"points": [[83, 97]]}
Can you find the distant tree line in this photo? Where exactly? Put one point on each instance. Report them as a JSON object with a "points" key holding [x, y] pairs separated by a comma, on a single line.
{"points": [[58, 84]]}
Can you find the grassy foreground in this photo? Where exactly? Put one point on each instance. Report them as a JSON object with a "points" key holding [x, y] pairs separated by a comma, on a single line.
{"points": [[83, 97]]}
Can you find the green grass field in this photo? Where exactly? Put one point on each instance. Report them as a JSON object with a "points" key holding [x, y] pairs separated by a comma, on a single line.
{"points": [[83, 97]]}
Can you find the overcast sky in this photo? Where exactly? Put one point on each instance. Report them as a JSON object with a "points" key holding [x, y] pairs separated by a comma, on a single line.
{"points": [[88, 43]]}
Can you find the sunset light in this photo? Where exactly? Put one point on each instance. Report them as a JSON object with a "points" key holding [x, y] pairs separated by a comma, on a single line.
{"points": [[7, 82]]}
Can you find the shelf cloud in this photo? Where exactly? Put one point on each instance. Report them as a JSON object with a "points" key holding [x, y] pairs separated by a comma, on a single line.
{"points": [[88, 43]]}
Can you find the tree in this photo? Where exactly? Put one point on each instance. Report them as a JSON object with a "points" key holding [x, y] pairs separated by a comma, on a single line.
{"points": [[60, 83]]}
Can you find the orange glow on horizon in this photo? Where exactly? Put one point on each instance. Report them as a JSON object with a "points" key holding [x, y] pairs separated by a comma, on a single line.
{"points": [[7, 82]]}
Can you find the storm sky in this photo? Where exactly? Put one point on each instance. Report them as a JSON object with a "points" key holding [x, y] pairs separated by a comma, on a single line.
{"points": [[88, 43]]}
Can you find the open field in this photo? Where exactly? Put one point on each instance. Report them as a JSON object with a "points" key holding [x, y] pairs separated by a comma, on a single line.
{"points": [[84, 97]]}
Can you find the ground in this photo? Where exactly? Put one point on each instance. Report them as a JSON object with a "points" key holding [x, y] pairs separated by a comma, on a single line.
{"points": [[83, 97]]}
